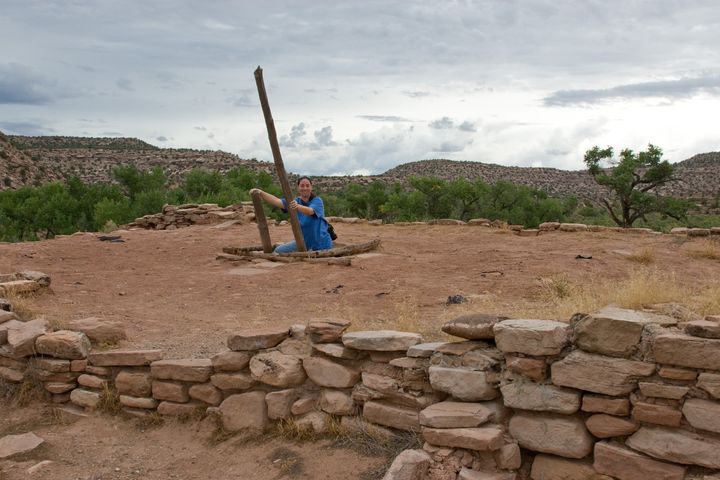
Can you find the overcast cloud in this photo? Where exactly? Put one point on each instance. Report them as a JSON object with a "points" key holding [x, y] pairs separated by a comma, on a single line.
{"points": [[359, 87]]}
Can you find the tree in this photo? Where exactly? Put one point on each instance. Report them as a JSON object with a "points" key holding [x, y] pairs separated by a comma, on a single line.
{"points": [[631, 182]]}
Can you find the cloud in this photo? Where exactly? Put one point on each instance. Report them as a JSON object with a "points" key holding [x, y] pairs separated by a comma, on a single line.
{"points": [[297, 132], [467, 126], [25, 128], [323, 137], [673, 89], [161, 138], [450, 147], [125, 84], [443, 123], [383, 118], [21, 85], [415, 94]]}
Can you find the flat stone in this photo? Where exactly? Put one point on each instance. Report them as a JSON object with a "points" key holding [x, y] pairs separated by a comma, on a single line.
{"points": [[133, 383], [276, 369], [280, 403], [336, 402], [526, 395], [184, 370], [21, 337], [230, 361], [531, 337], [304, 404], [659, 390], [392, 390], [657, 414], [615, 331], [385, 357], [12, 363], [295, 346], [59, 388], [409, 465], [466, 385], [624, 464], [391, 416], [550, 467], [610, 406], [687, 351], [19, 444], [124, 358], [257, 339], [710, 382], [599, 374], [40, 278], [138, 402], [55, 365], [91, 381], [474, 326], [7, 325], [460, 348], [206, 393], [410, 362], [102, 371], [677, 446], [703, 328], [532, 368], [178, 409], [381, 340], [677, 373], [56, 377], [78, 365], [244, 410], [11, 375], [606, 426], [6, 316], [573, 227], [314, 421], [423, 350], [85, 398], [481, 439], [232, 381], [336, 350], [564, 436], [702, 414], [99, 330], [455, 415], [327, 373], [170, 391], [18, 287], [508, 457], [326, 331]]}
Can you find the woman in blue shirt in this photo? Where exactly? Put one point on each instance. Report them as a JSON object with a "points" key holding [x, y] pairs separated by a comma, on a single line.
{"points": [[311, 216]]}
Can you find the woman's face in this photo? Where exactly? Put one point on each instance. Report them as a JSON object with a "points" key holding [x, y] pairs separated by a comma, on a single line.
{"points": [[305, 188]]}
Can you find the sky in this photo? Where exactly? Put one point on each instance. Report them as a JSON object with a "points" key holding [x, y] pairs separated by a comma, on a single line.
{"points": [[357, 88]]}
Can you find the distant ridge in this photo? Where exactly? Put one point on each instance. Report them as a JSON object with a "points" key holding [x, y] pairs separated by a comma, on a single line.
{"points": [[47, 158]]}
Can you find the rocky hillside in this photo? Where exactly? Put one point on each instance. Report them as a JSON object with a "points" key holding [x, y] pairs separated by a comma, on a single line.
{"points": [[45, 159]]}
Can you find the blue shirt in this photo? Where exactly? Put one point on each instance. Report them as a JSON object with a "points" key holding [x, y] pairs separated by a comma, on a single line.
{"points": [[314, 227]]}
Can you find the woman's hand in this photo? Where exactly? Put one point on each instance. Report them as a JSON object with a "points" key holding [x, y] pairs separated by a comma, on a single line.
{"points": [[293, 205], [254, 191]]}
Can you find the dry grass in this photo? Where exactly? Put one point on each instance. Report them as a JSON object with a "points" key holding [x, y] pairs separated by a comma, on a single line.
{"points": [[289, 429], [644, 256], [109, 401], [22, 305], [707, 249]]}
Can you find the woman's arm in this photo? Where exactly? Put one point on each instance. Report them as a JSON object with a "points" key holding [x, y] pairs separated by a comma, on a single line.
{"points": [[268, 197], [302, 208]]}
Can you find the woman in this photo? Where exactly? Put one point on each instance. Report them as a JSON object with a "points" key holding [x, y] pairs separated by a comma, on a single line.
{"points": [[311, 215]]}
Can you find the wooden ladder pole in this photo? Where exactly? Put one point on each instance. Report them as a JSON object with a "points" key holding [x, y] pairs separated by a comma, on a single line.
{"points": [[279, 166], [262, 223]]}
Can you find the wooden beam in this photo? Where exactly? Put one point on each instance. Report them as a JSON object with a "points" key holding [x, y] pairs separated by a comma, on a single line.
{"points": [[262, 223], [279, 166]]}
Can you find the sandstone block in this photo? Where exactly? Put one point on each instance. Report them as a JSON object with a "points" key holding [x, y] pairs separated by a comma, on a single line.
{"points": [[138, 402], [423, 350], [232, 381], [657, 414], [482, 439], [91, 381], [78, 365], [624, 464], [230, 361], [677, 446], [135, 384], [384, 387], [55, 365], [279, 403], [385, 357], [508, 457], [599, 374], [611, 406], [702, 414], [531, 337], [184, 370], [532, 368], [305, 404], [409, 465], [326, 331], [21, 337], [170, 391], [327, 373], [336, 350], [467, 385], [615, 331], [541, 398], [358, 426], [710, 382], [257, 339], [455, 415], [687, 351], [18, 287], [573, 227], [314, 421], [337, 402], [391, 415], [549, 467], [206, 393], [381, 340], [124, 358], [410, 362], [178, 409], [474, 326], [559, 435], [6, 316], [703, 328], [606, 426], [102, 371], [6, 326], [11, 375], [677, 374], [85, 398], [659, 390], [245, 410], [276, 369], [11, 445], [99, 330], [59, 387]]}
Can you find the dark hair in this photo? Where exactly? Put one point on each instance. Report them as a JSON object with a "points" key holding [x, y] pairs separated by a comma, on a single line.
{"points": [[312, 195]]}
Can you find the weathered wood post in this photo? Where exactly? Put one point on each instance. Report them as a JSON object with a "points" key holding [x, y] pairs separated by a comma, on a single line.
{"points": [[279, 166], [262, 223]]}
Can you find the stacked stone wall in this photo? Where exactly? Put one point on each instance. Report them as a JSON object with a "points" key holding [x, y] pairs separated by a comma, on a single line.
{"points": [[178, 216], [617, 394]]}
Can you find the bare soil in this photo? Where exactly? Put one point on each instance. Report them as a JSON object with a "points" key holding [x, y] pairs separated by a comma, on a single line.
{"points": [[170, 292]]}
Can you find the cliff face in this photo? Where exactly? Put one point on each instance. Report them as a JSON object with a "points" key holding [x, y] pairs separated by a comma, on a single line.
{"points": [[44, 159]]}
